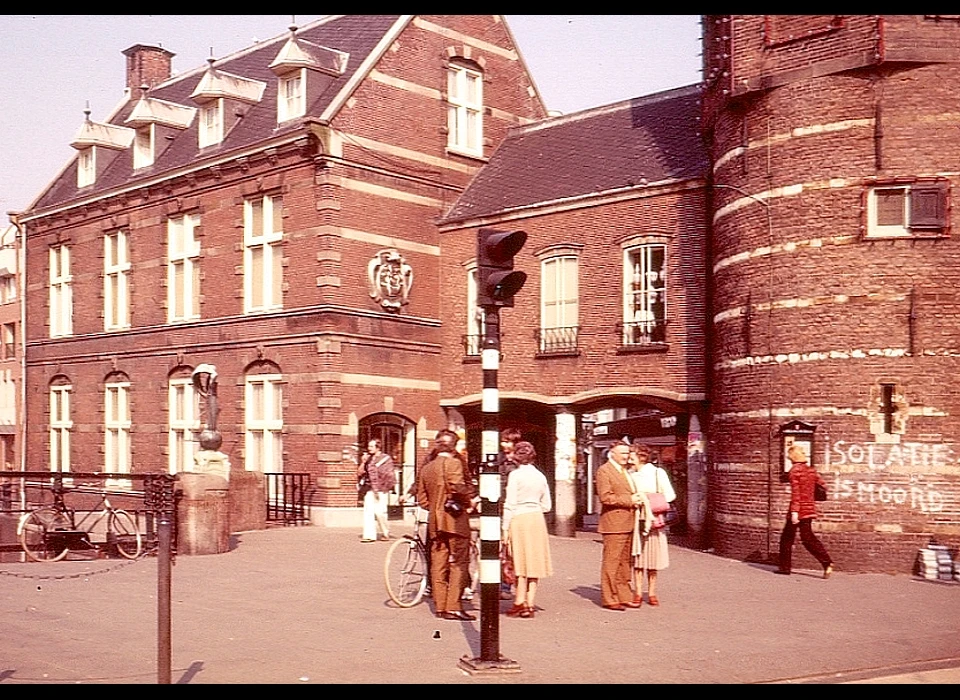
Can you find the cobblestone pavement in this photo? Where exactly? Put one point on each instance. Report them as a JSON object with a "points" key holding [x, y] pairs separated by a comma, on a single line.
{"points": [[308, 605]]}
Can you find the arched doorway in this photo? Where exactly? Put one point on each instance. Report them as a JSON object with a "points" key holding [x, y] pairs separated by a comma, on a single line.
{"points": [[398, 438]]}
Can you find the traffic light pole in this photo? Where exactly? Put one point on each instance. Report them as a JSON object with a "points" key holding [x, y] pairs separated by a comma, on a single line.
{"points": [[490, 660]]}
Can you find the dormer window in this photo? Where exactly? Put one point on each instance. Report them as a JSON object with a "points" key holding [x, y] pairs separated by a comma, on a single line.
{"points": [[143, 147], [87, 167], [465, 109], [211, 123], [297, 62], [290, 97]]}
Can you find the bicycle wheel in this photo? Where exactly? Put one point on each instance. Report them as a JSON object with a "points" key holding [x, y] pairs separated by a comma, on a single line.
{"points": [[124, 528], [38, 534], [405, 572]]}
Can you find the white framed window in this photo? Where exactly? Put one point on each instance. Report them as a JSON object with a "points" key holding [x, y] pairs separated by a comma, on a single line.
{"points": [[898, 211], [291, 100], [184, 424], [183, 268], [8, 338], [8, 289], [143, 142], [60, 427], [559, 303], [464, 110], [116, 285], [644, 294], [210, 124], [87, 166], [61, 292], [116, 433], [476, 322], [262, 255], [263, 423]]}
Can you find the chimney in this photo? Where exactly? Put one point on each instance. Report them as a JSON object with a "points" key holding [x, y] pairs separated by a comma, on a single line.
{"points": [[147, 65]]}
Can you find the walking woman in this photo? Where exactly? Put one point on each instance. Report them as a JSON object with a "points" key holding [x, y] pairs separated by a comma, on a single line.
{"points": [[650, 552], [525, 528], [803, 510]]}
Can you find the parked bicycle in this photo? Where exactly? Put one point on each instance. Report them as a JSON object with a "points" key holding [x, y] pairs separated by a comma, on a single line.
{"points": [[406, 569], [48, 533]]}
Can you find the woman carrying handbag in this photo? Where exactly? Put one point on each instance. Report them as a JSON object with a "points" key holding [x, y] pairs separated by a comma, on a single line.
{"points": [[650, 552], [803, 481]]}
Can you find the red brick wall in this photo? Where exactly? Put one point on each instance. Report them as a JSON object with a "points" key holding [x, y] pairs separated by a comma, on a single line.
{"points": [[840, 323]]}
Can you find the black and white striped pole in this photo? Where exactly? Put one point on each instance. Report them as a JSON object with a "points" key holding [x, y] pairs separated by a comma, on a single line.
{"points": [[497, 282]]}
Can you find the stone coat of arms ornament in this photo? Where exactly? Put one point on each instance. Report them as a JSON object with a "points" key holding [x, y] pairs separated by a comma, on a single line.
{"points": [[390, 279]]}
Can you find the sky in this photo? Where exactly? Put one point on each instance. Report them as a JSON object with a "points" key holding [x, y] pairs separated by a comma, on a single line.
{"points": [[53, 66]]}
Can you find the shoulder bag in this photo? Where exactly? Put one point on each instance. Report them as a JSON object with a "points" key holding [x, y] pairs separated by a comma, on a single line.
{"points": [[663, 513]]}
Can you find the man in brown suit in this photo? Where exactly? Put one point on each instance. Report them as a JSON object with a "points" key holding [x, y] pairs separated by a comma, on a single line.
{"points": [[449, 534], [619, 502]]}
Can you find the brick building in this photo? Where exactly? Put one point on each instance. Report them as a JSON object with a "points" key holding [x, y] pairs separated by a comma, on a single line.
{"points": [[11, 351], [271, 214], [834, 144]]}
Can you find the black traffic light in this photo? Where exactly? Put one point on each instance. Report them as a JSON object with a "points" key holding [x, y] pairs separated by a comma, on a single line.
{"points": [[497, 281]]}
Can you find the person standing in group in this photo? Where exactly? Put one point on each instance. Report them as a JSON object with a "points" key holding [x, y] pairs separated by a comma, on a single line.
{"points": [[650, 550], [803, 511], [525, 528], [376, 471], [619, 500], [506, 463], [444, 477]]}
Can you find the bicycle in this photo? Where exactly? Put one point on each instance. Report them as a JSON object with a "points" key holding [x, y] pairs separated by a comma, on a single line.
{"points": [[406, 569], [48, 533]]}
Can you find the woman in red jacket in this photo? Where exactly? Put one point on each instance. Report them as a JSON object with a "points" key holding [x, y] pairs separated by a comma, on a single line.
{"points": [[803, 478]]}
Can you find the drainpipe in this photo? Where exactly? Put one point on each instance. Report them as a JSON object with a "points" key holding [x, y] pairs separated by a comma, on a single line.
{"points": [[20, 241]]}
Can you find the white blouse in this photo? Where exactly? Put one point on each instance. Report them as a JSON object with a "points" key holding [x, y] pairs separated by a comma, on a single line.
{"points": [[527, 492], [648, 476]]}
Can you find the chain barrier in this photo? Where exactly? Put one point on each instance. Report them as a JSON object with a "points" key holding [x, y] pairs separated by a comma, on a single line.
{"points": [[83, 574]]}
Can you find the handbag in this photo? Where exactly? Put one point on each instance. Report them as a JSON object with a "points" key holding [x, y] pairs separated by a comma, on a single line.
{"points": [[819, 492], [508, 574], [454, 506], [663, 513]]}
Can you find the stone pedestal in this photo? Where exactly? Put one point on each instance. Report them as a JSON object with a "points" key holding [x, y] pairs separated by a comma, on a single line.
{"points": [[203, 521], [248, 501]]}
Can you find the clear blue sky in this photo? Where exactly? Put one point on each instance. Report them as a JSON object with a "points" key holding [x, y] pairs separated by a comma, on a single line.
{"points": [[51, 66]]}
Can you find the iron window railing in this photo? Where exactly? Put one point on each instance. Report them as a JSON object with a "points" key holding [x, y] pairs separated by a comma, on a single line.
{"points": [[558, 341], [642, 333]]}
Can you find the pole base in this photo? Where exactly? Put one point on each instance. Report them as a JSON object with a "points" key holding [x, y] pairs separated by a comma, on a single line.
{"points": [[479, 667]]}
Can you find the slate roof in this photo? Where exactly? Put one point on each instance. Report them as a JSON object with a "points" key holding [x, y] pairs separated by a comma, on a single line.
{"points": [[356, 35], [644, 140]]}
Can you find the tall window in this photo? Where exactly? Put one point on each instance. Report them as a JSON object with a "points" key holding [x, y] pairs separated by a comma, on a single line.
{"points": [[183, 269], [211, 123], [644, 294], [116, 438], [8, 336], [116, 269], [476, 323], [8, 289], [61, 292], [143, 147], [465, 109], [86, 166], [263, 418], [559, 304], [262, 256], [290, 98], [184, 417], [60, 427]]}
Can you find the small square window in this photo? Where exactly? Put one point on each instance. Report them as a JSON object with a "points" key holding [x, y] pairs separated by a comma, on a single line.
{"points": [[902, 211]]}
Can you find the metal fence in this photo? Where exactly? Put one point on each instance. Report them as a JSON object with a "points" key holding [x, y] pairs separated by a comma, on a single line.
{"points": [[287, 498]]}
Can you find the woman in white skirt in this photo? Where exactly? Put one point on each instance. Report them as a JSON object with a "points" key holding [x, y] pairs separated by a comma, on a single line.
{"points": [[650, 552], [525, 529]]}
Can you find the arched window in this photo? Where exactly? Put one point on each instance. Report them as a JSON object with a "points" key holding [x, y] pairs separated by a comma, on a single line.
{"points": [[263, 418], [61, 424]]}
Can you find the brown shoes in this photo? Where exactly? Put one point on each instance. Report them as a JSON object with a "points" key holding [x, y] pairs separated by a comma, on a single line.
{"points": [[654, 600], [615, 606], [516, 610], [632, 604]]}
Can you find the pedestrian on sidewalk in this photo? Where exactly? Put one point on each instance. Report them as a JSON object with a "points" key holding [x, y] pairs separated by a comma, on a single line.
{"points": [[440, 481], [506, 463], [650, 551], [803, 511], [619, 501], [377, 472], [525, 528]]}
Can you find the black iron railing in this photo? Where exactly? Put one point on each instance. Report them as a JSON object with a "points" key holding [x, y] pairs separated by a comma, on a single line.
{"points": [[287, 498], [558, 341]]}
